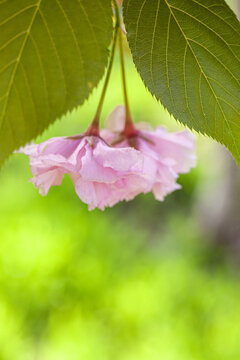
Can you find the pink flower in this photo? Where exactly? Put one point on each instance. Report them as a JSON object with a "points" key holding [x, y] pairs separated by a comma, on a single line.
{"points": [[102, 175], [170, 153]]}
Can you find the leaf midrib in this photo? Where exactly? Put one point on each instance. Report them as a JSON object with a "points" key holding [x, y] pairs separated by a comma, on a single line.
{"points": [[11, 82], [206, 78]]}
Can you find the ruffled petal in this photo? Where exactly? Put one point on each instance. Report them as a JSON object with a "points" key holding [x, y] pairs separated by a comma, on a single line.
{"points": [[47, 179], [116, 119], [174, 149], [93, 170], [165, 155], [119, 159]]}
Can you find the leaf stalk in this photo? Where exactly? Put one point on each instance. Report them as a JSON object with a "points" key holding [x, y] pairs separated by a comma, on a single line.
{"points": [[129, 129], [94, 126]]}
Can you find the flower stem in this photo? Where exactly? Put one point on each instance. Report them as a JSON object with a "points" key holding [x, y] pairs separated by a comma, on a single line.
{"points": [[94, 126], [129, 129]]}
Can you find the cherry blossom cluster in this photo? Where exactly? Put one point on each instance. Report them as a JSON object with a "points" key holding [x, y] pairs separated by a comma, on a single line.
{"points": [[111, 167]]}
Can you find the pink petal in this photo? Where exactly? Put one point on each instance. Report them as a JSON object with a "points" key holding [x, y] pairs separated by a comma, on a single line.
{"points": [[119, 159], [169, 153], [174, 149], [116, 119], [93, 170], [160, 190], [46, 180], [85, 191]]}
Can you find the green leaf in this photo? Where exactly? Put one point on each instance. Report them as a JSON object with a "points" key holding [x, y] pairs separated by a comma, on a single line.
{"points": [[188, 55], [52, 54]]}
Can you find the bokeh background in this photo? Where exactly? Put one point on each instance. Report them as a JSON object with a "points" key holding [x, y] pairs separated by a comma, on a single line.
{"points": [[142, 281]]}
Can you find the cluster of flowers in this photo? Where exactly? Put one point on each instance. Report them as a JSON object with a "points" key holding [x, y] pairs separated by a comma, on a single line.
{"points": [[106, 169]]}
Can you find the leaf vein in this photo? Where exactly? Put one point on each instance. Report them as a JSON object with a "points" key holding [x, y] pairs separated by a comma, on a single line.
{"points": [[5, 67], [185, 84], [57, 56], [18, 13], [153, 43], [138, 19], [20, 103], [214, 56], [30, 94], [206, 26], [230, 130], [212, 12], [90, 26], [12, 39], [74, 37], [42, 71], [19, 58]]}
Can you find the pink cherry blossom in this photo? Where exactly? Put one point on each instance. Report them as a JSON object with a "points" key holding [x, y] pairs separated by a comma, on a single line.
{"points": [[170, 153], [102, 175]]}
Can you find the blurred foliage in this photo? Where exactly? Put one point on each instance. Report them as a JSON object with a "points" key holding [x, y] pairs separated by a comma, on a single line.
{"points": [[86, 285], [138, 281]]}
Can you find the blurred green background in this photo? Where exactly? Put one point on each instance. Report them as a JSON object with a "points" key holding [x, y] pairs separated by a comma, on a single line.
{"points": [[141, 281]]}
